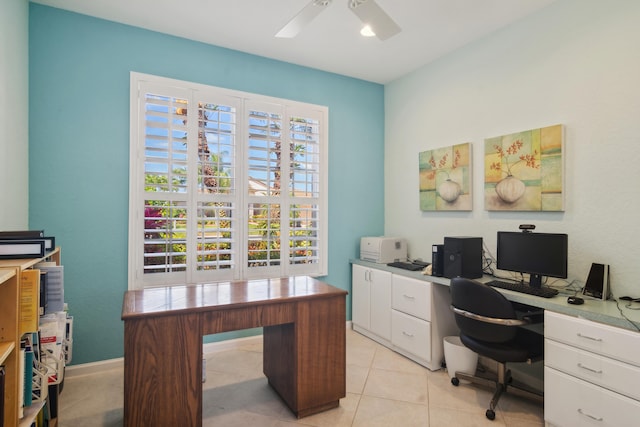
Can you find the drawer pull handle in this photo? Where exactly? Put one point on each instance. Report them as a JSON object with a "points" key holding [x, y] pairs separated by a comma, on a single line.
{"points": [[407, 334], [590, 416], [580, 365], [408, 296], [588, 337]]}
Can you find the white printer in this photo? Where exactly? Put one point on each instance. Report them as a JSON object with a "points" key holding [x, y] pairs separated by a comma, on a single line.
{"points": [[383, 250]]}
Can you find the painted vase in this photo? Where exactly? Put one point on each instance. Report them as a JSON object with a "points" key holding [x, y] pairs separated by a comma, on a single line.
{"points": [[449, 190], [510, 189]]}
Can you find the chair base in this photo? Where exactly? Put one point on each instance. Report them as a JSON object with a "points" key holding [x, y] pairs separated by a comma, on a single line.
{"points": [[501, 383]]}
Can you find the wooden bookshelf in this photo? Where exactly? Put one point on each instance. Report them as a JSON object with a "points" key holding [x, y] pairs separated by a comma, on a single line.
{"points": [[9, 341], [10, 273]]}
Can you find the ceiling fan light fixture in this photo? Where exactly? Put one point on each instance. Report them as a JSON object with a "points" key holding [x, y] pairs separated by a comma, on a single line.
{"points": [[372, 16], [370, 13], [303, 18], [367, 31]]}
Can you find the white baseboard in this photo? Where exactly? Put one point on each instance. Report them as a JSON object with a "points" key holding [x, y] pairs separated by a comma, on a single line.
{"points": [[93, 367], [118, 363]]}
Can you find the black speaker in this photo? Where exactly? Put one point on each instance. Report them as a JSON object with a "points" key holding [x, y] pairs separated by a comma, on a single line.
{"points": [[463, 257], [597, 285], [437, 261]]}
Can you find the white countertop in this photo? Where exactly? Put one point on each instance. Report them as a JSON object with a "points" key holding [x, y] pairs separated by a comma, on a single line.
{"points": [[608, 312]]}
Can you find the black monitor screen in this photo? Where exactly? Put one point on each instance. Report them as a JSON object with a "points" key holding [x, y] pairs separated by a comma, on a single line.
{"points": [[537, 254]]}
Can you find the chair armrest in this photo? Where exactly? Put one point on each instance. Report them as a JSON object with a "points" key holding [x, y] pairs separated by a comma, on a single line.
{"points": [[486, 319]]}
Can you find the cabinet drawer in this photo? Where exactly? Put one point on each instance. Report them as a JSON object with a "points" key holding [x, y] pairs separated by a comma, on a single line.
{"points": [[570, 402], [612, 374], [411, 296], [616, 343], [411, 334]]}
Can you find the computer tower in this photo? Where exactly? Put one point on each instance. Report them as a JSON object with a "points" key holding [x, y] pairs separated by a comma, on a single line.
{"points": [[463, 257], [437, 261]]}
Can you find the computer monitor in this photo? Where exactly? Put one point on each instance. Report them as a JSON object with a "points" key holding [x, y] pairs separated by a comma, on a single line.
{"points": [[536, 254]]}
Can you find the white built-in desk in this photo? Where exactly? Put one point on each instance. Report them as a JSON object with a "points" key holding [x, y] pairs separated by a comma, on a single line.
{"points": [[606, 312], [592, 351]]}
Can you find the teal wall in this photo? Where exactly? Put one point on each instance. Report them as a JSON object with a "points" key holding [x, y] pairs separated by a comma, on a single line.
{"points": [[79, 150]]}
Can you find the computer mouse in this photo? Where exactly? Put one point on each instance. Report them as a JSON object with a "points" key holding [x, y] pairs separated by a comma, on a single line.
{"points": [[575, 300]]}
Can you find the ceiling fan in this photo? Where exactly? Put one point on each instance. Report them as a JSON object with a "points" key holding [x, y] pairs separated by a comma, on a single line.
{"points": [[368, 11]]}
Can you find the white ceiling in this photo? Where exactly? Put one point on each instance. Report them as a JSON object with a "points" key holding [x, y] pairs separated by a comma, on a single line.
{"points": [[430, 29]]}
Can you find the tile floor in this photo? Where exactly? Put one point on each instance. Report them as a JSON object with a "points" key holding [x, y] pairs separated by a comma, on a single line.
{"points": [[383, 389]]}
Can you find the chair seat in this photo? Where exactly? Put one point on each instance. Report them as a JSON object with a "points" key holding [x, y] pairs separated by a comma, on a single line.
{"points": [[488, 326], [526, 345]]}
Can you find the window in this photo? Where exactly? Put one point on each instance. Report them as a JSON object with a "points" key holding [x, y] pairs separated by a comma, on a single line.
{"points": [[224, 185]]}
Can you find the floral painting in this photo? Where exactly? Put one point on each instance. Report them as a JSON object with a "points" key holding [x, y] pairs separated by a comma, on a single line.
{"points": [[445, 178], [524, 171]]}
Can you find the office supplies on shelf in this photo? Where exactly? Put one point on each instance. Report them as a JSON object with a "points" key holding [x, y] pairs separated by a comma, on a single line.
{"points": [[53, 329], [18, 248], [12, 355], [55, 286], [524, 288], [28, 375], [43, 293], [29, 304], [22, 234]]}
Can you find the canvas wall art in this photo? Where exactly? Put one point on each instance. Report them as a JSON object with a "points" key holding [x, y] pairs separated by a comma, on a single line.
{"points": [[445, 178], [523, 171]]}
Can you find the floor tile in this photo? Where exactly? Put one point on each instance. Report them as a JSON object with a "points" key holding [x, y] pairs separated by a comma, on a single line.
{"points": [[383, 389], [377, 412]]}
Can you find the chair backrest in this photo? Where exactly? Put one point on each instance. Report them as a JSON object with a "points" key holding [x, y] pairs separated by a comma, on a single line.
{"points": [[475, 297]]}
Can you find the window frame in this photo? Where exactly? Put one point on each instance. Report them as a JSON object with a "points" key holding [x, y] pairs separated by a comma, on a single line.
{"points": [[140, 85]]}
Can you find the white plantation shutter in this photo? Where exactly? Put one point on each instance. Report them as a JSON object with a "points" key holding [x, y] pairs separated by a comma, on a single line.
{"points": [[217, 227], [305, 190], [224, 185], [164, 187]]}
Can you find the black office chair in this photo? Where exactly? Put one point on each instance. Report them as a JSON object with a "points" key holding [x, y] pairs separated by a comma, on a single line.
{"points": [[489, 326]]}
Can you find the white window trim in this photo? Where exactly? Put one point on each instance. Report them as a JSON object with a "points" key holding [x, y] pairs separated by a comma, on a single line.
{"points": [[137, 194]]}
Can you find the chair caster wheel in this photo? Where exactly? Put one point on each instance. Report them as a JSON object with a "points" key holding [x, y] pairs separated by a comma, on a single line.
{"points": [[490, 414], [455, 381]]}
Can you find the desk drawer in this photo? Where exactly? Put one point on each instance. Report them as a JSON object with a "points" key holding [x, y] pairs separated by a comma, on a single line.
{"points": [[612, 374], [411, 296], [570, 402], [617, 343], [411, 334]]}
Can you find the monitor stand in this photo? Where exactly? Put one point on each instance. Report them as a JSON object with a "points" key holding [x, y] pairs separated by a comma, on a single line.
{"points": [[535, 280]]}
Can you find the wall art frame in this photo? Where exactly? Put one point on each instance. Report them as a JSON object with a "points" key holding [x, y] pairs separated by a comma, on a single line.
{"points": [[445, 178], [524, 171]]}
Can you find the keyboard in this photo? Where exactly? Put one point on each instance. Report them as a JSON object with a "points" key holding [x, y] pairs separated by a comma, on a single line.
{"points": [[524, 288], [407, 265]]}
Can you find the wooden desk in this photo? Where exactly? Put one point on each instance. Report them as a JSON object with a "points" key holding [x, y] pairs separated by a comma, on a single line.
{"points": [[304, 358]]}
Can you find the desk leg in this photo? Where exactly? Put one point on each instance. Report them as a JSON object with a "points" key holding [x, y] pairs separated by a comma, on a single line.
{"points": [[305, 361], [163, 371]]}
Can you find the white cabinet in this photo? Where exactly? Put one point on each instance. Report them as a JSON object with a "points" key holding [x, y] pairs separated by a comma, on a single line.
{"points": [[371, 301], [410, 316], [420, 319], [411, 336], [591, 373]]}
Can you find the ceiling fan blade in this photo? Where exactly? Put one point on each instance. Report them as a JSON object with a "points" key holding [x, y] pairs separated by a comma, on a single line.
{"points": [[372, 15], [303, 18]]}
